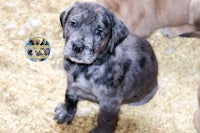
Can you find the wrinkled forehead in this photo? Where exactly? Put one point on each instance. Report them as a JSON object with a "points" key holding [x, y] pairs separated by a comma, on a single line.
{"points": [[90, 15]]}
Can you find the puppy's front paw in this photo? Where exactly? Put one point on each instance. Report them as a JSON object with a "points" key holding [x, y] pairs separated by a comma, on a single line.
{"points": [[61, 114]]}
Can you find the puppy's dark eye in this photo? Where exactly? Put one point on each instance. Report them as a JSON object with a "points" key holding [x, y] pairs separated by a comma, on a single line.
{"points": [[98, 32], [73, 23]]}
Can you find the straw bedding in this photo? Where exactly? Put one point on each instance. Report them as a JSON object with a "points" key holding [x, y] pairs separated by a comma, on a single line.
{"points": [[31, 90]]}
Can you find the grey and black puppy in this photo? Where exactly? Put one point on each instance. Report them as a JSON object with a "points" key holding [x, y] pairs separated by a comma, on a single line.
{"points": [[104, 64]]}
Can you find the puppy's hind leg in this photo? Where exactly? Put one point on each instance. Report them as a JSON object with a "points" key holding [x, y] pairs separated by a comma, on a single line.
{"points": [[64, 112], [147, 98]]}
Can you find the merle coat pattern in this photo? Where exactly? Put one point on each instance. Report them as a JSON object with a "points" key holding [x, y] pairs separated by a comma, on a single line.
{"points": [[105, 64]]}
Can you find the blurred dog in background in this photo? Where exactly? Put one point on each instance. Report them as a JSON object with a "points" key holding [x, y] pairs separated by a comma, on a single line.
{"points": [[177, 17]]}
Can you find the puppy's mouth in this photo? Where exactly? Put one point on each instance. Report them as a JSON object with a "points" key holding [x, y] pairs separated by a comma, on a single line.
{"points": [[84, 57], [81, 60]]}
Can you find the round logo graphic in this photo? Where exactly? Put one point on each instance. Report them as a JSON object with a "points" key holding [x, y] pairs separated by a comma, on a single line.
{"points": [[37, 49]]}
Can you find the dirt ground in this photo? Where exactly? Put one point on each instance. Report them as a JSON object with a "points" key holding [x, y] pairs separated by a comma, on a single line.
{"points": [[31, 90]]}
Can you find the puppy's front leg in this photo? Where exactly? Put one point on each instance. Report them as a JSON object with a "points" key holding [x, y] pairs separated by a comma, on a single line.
{"points": [[107, 117], [64, 112]]}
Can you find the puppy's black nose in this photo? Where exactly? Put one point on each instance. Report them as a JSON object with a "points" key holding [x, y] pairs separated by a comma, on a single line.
{"points": [[77, 47]]}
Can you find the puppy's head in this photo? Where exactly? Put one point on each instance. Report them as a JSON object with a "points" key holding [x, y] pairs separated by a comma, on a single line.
{"points": [[90, 30]]}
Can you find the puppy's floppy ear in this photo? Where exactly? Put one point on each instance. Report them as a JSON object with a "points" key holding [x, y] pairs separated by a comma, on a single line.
{"points": [[118, 32], [63, 18]]}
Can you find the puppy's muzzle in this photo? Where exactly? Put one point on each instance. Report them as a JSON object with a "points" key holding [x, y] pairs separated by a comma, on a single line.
{"points": [[78, 47]]}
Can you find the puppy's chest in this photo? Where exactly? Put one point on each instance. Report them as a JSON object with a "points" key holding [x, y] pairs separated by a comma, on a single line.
{"points": [[93, 79], [94, 76]]}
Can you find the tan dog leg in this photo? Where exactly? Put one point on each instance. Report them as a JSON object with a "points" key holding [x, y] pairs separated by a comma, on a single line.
{"points": [[177, 31], [197, 114], [194, 13], [192, 34], [192, 29]]}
